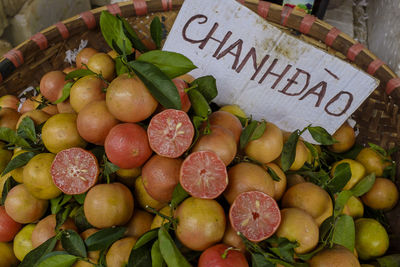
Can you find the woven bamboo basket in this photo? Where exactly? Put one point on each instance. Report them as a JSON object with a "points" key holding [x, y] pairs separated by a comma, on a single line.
{"points": [[378, 119]]}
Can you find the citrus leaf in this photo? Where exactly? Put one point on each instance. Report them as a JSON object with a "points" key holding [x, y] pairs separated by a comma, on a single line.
{"points": [[308, 256], [120, 66], [80, 198], [320, 135], [73, 243], [344, 232], [11, 137], [341, 201], [79, 73], [273, 174], [364, 185], [247, 133], [156, 257], [284, 248], [146, 238], [178, 196], [340, 178], [109, 168], [289, 150], [159, 85], [258, 260], [258, 131], [112, 29], [26, 129], [65, 93], [62, 216], [34, 256], [141, 257], [19, 161], [169, 251], [199, 103], [132, 36], [104, 238], [389, 261], [156, 31], [81, 221], [58, 260], [57, 203], [170, 63], [8, 185], [378, 149], [207, 86]]}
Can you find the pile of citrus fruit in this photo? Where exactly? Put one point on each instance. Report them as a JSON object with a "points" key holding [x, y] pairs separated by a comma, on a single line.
{"points": [[124, 160]]}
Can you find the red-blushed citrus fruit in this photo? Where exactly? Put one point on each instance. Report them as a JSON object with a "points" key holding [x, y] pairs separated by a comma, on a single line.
{"points": [[85, 90], [139, 224], [334, 257], [108, 205], [94, 122], [74, 171], [255, 214], [60, 132], [268, 147], [228, 121], [221, 255], [8, 227], [118, 254], [383, 195], [22, 243], [82, 58], [45, 229], [201, 223], [203, 175], [143, 198], [37, 177], [22, 207], [373, 161], [221, 141], [160, 176], [170, 133], [129, 100], [7, 257], [9, 101], [279, 186], [158, 220], [231, 238], [310, 198], [297, 225], [245, 177], [69, 69], [345, 137], [9, 118], [181, 85], [52, 84], [103, 64], [372, 239], [127, 146]]}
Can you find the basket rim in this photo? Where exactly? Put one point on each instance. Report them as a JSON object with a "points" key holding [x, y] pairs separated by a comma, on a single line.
{"points": [[285, 16]]}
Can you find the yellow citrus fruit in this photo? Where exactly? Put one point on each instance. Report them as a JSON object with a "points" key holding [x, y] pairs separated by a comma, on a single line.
{"points": [[301, 154], [22, 241], [346, 138], [158, 220], [383, 195], [235, 110], [7, 257], [118, 254], [103, 64], [357, 172], [372, 239], [293, 179], [373, 161], [139, 224], [336, 256], [279, 186], [143, 198], [354, 207], [128, 176], [187, 78]]}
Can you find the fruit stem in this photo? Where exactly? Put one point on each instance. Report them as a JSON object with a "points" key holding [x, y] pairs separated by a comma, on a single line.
{"points": [[225, 254], [166, 217]]}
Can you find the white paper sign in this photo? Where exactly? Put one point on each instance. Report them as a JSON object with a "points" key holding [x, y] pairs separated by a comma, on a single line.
{"points": [[270, 74]]}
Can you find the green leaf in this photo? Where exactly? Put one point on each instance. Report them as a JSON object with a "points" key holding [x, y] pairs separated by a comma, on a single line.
{"points": [[171, 63], [199, 103], [156, 31], [59, 260], [289, 150], [341, 201], [132, 36], [247, 133], [313, 151], [320, 135], [8, 185], [284, 248], [258, 260], [364, 185], [273, 174], [171, 254], [344, 232], [178, 196], [140, 257], [104, 238], [112, 29], [26, 129], [146, 238], [120, 66], [62, 216], [389, 261], [79, 73], [19, 161], [258, 131], [57, 203], [156, 257], [390, 172], [73, 243], [109, 168], [80, 198], [308, 256], [11, 137], [207, 86], [159, 85], [340, 178], [65, 92], [378, 149], [34, 256], [81, 221]]}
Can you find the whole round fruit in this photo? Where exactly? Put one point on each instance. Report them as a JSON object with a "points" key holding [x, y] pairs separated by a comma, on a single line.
{"points": [[7, 257], [203, 175], [128, 176], [234, 110], [336, 256], [279, 186], [118, 254], [86, 90], [107, 205], [158, 220], [127, 146], [373, 161], [354, 207], [9, 101], [372, 239], [139, 224], [22, 207], [23, 241], [9, 118], [143, 198], [221, 256], [268, 147], [383, 195], [37, 177], [65, 107], [357, 172], [231, 238], [129, 100], [255, 214], [170, 133], [94, 122], [311, 198], [297, 225], [160, 176], [245, 177], [201, 223], [37, 116], [345, 137], [293, 179], [60, 132], [103, 64], [52, 84], [45, 229], [8, 227], [82, 58], [221, 141], [228, 121], [181, 85]]}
